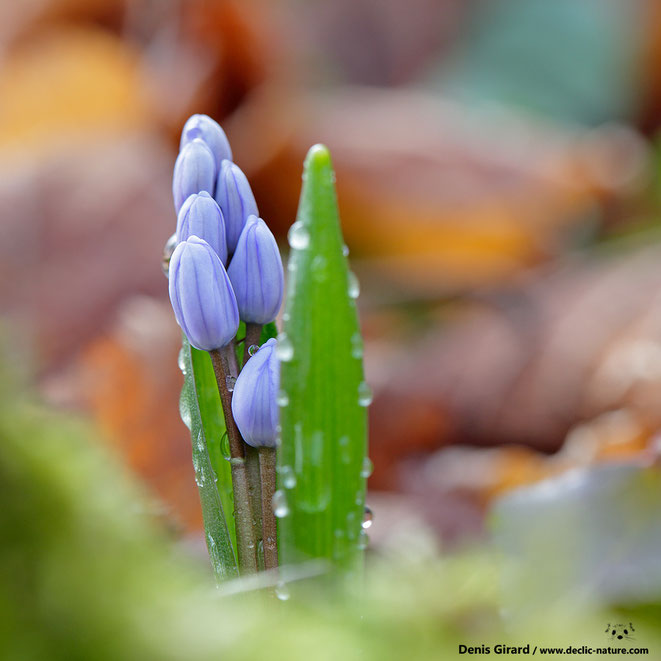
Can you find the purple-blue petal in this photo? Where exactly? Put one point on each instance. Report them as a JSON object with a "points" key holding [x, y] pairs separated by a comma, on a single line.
{"points": [[194, 171], [204, 128], [235, 197], [201, 295], [201, 216], [256, 273], [254, 400]]}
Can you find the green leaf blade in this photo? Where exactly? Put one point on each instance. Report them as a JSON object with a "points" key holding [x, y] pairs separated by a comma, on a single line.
{"points": [[324, 426], [203, 417], [213, 422]]}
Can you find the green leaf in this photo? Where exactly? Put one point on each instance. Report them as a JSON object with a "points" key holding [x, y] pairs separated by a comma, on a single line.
{"points": [[201, 412], [213, 421], [268, 331], [324, 424]]}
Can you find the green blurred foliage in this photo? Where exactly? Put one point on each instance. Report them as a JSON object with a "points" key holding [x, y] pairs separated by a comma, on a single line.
{"points": [[87, 574]]}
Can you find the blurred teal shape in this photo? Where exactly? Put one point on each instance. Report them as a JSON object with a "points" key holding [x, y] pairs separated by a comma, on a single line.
{"points": [[567, 60], [589, 536]]}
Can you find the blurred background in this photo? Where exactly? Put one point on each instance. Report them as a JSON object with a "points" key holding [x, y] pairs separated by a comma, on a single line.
{"points": [[498, 180]]}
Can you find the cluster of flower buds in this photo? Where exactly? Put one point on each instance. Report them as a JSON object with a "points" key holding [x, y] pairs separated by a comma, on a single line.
{"points": [[226, 267]]}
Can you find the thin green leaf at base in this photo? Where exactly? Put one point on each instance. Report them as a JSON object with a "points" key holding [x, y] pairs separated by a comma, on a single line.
{"points": [[197, 412], [213, 422]]}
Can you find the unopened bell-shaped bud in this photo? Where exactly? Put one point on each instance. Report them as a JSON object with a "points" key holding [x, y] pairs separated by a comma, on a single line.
{"points": [[209, 131], [201, 295], [255, 398], [201, 216], [256, 273], [234, 195], [194, 171]]}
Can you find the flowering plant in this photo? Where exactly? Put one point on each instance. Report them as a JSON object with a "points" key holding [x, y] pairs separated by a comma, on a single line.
{"points": [[277, 419]]}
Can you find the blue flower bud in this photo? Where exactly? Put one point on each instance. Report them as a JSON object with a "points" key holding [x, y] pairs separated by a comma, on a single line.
{"points": [[201, 216], [194, 171], [256, 273], [201, 295], [254, 401], [234, 195], [208, 130]]}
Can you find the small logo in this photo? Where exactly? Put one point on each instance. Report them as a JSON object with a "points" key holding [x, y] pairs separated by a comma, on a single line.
{"points": [[620, 631]]}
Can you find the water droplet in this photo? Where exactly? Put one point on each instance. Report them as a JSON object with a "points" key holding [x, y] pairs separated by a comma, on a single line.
{"points": [[282, 399], [200, 477], [253, 349], [345, 450], [368, 517], [317, 496], [282, 591], [201, 446], [345, 250], [230, 382], [363, 540], [298, 236], [213, 551], [357, 345], [225, 447], [367, 468], [318, 266], [284, 349], [184, 411], [288, 477], [280, 504], [181, 361], [317, 448], [170, 245], [354, 286], [364, 394]]}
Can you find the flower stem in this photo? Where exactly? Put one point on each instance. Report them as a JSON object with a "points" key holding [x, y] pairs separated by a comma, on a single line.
{"points": [[269, 529], [245, 537], [252, 337], [254, 493]]}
